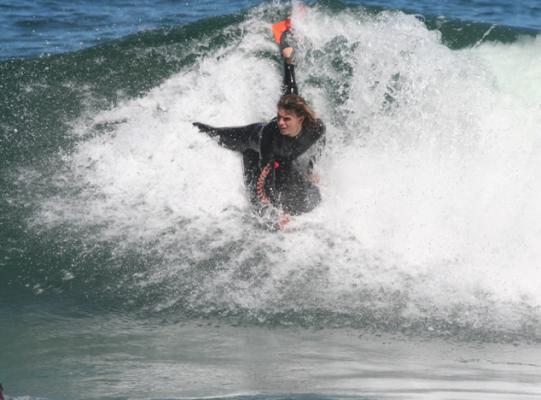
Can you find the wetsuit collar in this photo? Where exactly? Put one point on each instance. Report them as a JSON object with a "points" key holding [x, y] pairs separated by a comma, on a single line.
{"points": [[299, 133]]}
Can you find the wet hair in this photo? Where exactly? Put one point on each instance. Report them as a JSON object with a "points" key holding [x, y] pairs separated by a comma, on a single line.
{"points": [[295, 103]]}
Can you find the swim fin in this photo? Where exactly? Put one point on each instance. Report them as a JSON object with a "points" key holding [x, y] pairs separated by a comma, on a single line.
{"points": [[279, 28]]}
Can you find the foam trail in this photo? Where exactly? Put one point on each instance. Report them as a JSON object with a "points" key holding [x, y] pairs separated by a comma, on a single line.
{"points": [[430, 179]]}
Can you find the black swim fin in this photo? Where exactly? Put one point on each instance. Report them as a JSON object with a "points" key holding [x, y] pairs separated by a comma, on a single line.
{"points": [[210, 130]]}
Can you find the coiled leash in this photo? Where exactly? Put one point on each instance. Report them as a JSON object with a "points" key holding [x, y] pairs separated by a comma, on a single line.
{"points": [[260, 185], [282, 217]]}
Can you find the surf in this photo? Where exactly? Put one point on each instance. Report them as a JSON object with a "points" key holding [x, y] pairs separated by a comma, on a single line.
{"points": [[429, 216]]}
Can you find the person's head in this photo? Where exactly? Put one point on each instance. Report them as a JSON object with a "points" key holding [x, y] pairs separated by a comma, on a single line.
{"points": [[293, 112]]}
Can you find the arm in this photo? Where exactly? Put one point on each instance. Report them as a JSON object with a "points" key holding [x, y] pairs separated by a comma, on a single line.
{"points": [[289, 84]]}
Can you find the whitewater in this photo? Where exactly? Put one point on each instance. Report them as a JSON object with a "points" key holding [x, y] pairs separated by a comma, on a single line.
{"points": [[425, 245], [429, 178]]}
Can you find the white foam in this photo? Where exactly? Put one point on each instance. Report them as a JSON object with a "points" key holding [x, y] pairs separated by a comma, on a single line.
{"points": [[430, 180]]}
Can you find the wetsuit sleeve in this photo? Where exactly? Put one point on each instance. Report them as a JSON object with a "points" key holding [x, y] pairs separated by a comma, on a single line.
{"points": [[289, 84]]}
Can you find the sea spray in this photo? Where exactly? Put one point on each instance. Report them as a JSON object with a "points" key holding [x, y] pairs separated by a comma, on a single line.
{"points": [[429, 215]]}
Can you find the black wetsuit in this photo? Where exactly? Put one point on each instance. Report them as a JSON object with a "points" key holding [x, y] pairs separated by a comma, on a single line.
{"points": [[288, 185]]}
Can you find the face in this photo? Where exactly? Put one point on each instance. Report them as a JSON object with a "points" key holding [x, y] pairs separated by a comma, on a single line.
{"points": [[289, 123]]}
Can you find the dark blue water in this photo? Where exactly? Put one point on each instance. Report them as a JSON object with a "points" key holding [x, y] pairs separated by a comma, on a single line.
{"points": [[132, 267], [520, 14], [34, 28]]}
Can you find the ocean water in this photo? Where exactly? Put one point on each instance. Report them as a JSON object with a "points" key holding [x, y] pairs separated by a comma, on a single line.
{"points": [[131, 266]]}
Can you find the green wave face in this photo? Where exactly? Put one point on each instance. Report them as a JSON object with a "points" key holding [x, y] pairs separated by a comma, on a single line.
{"points": [[42, 97]]}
